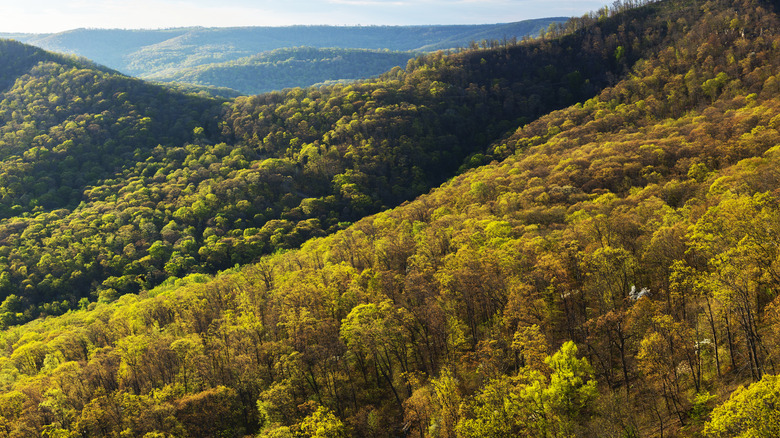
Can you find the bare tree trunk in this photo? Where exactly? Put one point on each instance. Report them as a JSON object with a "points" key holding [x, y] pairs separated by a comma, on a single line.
{"points": [[714, 334]]}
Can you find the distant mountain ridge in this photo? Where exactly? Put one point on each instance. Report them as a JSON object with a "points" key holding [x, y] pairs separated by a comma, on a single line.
{"points": [[162, 54], [289, 68]]}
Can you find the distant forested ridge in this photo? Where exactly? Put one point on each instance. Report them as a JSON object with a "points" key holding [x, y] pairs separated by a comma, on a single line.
{"points": [[169, 54], [289, 68], [575, 236]]}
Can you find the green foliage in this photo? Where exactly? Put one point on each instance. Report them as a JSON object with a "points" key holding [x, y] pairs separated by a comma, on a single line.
{"points": [[571, 386], [749, 412], [499, 411], [640, 226], [530, 405], [111, 185], [322, 424], [700, 406]]}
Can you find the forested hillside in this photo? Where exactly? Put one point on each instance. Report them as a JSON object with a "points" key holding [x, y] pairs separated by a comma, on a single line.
{"points": [[67, 124], [165, 54], [289, 68], [613, 272], [189, 184]]}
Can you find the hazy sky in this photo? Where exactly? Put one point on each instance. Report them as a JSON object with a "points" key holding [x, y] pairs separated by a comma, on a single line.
{"points": [[42, 16]]}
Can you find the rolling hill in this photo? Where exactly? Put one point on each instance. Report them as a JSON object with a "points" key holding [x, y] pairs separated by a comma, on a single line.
{"points": [[289, 68], [581, 240], [167, 53]]}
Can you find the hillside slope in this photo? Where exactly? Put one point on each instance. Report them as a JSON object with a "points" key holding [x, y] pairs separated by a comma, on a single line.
{"points": [[66, 123], [179, 191], [615, 275], [289, 68], [162, 53]]}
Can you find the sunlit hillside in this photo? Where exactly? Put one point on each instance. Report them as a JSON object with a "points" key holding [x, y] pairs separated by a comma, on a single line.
{"points": [[573, 236]]}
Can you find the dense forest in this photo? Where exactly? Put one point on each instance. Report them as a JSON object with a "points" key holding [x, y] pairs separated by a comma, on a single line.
{"points": [[569, 236], [108, 199]]}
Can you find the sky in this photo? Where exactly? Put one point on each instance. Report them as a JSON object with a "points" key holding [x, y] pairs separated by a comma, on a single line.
{"points": [[50, 16]]}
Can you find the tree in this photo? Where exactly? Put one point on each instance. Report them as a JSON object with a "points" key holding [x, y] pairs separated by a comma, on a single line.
{"points": [[377, 331], [448, 400], [322, 424], [749, 412], [572, 387], [736, 236], [11, 406], [531, 405], [499, 411], [530, 343]]}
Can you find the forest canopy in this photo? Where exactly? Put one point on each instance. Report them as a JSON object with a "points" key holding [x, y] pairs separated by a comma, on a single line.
{"points": [[464, 247], [112, 185]]}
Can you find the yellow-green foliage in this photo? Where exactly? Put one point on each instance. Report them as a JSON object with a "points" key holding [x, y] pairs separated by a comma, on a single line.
{"points": [[111, 186], [749, 412], [618, 264]]}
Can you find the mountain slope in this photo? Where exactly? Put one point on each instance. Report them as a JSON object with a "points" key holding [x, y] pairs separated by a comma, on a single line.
{"points": [[20, 58], [202, 192], [144, 52], [108, 47], [65, 124], [288, 68], [641, 224]]}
